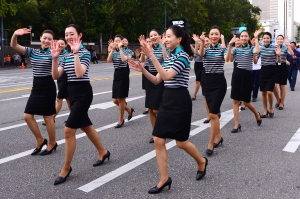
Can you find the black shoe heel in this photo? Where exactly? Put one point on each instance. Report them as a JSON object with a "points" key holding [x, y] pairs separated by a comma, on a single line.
{"points": [[156, 190], [220, 142], [100, 162], [206, 121], [60, 180], [119, 125], [265, 116], [239, 128], [209, 151], [130, 116], [37, 150], [46, 152], [259, 121], [201, 174]]}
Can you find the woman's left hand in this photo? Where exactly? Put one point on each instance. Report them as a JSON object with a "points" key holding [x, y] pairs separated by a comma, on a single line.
{"points": [[147, 49], [137, 66], [278, 49]]}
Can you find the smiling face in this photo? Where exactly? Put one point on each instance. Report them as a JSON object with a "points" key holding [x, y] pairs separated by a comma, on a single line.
{"points": [[125, 42], [154, 37], [279, 40], [171, 40], [117, 40], [46, 40], [62, 44], [206, 42], [244, 38], [237, 43], [266, 39], [71, 34], [253, 41], [214, 36]]}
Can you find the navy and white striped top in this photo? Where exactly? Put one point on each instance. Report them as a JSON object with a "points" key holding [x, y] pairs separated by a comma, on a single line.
{"points": [[64, 76], [244, 57], [117, 60], [214, 59], [68, 64], [283, 53], [179, 62], [128, 51], [268, 55], [158, 53], [41, 61]]}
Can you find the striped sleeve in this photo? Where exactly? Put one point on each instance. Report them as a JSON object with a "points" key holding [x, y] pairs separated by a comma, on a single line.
{"points": [[85, 58], [28, 51], [180, 64]]}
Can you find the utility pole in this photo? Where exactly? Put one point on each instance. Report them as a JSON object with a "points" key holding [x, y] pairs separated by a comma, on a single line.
{"points": [[2, 42]]}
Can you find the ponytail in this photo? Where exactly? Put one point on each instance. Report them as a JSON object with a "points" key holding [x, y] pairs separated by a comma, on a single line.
{"points": [[185, 38]]}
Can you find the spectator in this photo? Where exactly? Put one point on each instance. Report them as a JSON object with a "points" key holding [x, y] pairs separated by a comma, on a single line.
{"points": [[8, 60], [292, 63], [16, 58], [94, 57]]}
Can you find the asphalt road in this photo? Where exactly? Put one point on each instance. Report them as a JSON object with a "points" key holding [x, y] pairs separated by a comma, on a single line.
{"points": [[249, 164]]}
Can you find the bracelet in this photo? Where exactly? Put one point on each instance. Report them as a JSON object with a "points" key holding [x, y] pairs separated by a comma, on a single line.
{"points": [[75, 53]]}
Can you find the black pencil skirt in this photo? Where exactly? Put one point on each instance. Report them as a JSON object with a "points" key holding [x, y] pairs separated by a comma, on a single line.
{"points": [[174, 115], [120, 87], [198, 68], [154, 94], [281, 74], [42, 98], [144, 79], [267, 77], [214, 91], [81, 97], [241, 84], [63, 91]]}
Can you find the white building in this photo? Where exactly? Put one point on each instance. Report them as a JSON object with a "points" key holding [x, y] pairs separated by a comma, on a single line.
{"points": [[277, 17]]}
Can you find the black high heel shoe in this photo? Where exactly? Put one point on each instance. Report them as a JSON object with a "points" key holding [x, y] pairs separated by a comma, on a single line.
{"points": [[155, 189], [271, 114], [265, 116], [217, 144], [209, 151], [60, 180], [46, 152], [206, 121], [130, 116], [100, 162], [201, 174], [119, 125], [239, 128], [259, 121], [37, 150]]}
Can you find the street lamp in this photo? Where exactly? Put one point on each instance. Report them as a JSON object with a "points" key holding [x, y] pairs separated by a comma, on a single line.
{"points": [[30, 27], [175, 1]]}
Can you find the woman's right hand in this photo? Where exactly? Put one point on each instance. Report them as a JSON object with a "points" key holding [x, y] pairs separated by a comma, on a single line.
{"points": [[54, 49], [137, 66], [22, 31]]}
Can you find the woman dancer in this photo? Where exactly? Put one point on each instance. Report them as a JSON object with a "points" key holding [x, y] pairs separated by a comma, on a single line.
{"points": [[154, 92], [176, 101], [282, 71], [120, 87], [269, 56], [76, 65], [242, 79], [42, 98], [214, 86], [62, 82]]}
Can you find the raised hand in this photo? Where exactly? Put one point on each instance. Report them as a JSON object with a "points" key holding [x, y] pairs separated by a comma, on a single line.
{"points": [[257, 32], [233, 40], [195, 37], [278, 49], [22, 31], [137, 66], [75, 44], [222, 37], [142, 39], [54, 49], [147, 49], [111, 45], [163, 39], [202, 37], [287, 41], [120, 44]]}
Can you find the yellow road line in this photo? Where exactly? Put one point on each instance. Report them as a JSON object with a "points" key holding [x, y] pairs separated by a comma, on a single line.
{"points": [[92, 80]]}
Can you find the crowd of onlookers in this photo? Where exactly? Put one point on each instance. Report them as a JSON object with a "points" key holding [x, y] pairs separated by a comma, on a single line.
{"points": [[15, 60]]}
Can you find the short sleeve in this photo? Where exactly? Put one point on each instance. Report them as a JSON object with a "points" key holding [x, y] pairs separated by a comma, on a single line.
{"points": [[233, 51], [180, 64], [85, 59], [28, 51]]}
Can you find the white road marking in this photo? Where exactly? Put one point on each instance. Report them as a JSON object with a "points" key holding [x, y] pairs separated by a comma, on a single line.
{"points": [[26, 153], [104, 105], [226, 117], [294, 143]]}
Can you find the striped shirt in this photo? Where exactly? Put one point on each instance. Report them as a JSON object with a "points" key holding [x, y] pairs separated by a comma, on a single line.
{"points": [[198, 58], [128, 51], [117, 60], [68, 64], [283, 53], [214, 59], [64, 76], [268, 55], [41, 61], [158, 53], [244, 57], [179, 62]]}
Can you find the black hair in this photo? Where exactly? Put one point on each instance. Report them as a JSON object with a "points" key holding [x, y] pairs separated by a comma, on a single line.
{"points": [[215, 27], [155, 31], [293, 43], [62, 40], [185, 38], [77, 28], [280, 36], [49, 32], [269, 34], [245, 31], [120, 36]]}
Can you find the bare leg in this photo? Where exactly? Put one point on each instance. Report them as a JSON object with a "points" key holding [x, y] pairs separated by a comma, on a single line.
{"points": [[122, 105], [152, 117], [33, 126], [115, 101], [51, 131], [95, 139], [236, 113], [276, 94], [282, 95], [253, 109], [191, 149], [70, 147], [215, 132], [162, 159], [197, 87], [207, 109], [264, 101], [270, 100]]}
